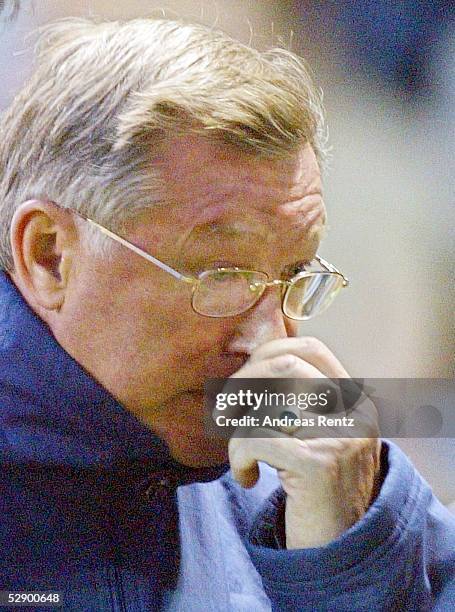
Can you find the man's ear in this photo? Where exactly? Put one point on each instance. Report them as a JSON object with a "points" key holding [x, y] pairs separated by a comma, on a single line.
{"points": [[43, 241]]}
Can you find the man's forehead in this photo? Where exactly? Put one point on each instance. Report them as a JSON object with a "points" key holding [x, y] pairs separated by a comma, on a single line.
{"points": [[232, 229], [201, 164], [266, 230], [214, 194], [256, 222], [206, 181]]}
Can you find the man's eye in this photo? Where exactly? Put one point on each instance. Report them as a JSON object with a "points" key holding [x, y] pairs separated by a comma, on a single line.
{"points": [[221, 276]]}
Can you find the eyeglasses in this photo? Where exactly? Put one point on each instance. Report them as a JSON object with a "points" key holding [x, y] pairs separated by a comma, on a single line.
{"points": [[227, 292]]}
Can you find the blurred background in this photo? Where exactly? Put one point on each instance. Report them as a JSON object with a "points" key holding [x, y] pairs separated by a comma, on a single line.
{"points": [[387, 71]]}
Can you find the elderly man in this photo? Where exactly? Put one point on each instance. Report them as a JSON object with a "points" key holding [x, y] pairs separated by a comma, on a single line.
{"points": [[161, 211]]}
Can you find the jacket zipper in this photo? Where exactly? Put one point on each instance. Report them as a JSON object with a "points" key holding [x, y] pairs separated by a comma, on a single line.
{"points": [[118, 593]]}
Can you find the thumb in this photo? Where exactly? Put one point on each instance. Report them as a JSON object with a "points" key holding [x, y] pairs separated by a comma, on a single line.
{"points": [[245, 469]]}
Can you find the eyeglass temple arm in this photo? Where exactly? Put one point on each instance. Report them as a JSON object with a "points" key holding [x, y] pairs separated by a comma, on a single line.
{"points": [[188, 279], [175, 273], [144, 254]]}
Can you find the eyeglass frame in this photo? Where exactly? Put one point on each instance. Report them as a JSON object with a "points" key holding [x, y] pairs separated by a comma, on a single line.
{"points": [[195, 281]]}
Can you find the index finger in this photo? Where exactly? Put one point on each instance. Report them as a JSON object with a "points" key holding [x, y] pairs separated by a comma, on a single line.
{"points": [[307, 348]]}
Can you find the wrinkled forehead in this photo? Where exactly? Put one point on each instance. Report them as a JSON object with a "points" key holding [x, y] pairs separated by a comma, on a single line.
{"points": [[245, 228], [215, 190]]}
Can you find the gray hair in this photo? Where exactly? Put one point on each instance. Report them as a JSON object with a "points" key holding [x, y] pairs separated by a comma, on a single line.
{"points": [[83, 132]]}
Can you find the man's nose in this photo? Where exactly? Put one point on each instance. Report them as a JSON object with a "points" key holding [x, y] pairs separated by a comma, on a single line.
{"points": [[262, 323]]}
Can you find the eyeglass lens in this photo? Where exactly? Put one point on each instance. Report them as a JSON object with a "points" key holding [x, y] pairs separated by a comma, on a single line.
{"points": [[227, 293], [311, 295], [224, 293]]}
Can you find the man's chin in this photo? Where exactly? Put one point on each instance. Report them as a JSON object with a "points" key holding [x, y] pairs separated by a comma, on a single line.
{"points": [[199, 453], [180, 424]]}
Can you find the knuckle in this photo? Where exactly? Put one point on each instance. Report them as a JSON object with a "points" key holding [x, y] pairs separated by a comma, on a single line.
{"points": [[315, 346], [284, 364]]}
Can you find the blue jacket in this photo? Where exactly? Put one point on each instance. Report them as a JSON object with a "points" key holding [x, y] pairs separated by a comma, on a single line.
{"points": [[91, 504]]}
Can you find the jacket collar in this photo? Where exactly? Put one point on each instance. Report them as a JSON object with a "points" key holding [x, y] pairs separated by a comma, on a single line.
{"points": [[55, 413]]}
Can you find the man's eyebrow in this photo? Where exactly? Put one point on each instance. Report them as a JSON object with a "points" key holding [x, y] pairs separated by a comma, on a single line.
{"points": [[233, 229]]}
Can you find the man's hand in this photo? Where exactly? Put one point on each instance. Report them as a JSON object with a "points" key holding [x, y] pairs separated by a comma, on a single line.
{"points": [[329, 482]]}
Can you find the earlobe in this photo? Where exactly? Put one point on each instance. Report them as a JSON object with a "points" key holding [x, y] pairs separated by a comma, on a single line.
{"points": [[42, 245]]}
